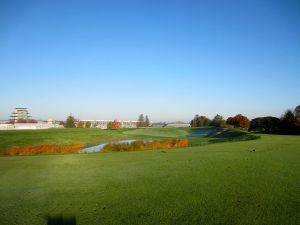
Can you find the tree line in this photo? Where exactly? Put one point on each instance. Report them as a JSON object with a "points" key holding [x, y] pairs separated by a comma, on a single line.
{"points": [[71, 122], [288, 123], [239, 121], [143, 121]]}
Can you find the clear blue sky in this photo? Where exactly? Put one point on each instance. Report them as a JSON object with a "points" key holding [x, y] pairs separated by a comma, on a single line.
{"points": [[168, 59]]}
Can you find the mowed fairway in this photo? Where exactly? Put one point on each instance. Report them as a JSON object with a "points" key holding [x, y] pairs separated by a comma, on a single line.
{"points": [[248, 182]]}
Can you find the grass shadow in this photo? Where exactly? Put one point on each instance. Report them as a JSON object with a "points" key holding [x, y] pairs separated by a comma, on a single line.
{"points": [[61, 220]]}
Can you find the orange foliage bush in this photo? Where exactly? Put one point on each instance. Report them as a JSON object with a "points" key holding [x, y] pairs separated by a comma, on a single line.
{"points": [[145, 145], [45, 149], [116, 124]]}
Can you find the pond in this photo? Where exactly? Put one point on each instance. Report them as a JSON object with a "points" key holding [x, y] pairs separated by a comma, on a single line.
{"points": [[100, 146], [193, 133], [204, 132]]}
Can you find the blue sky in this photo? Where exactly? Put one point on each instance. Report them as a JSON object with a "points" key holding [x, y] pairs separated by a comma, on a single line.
{"points": [[168, 59]]}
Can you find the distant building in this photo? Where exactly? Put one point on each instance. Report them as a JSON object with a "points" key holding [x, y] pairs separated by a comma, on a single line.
{"points": [[20, 115], [21, 120], [102, 124], [29, 126]]}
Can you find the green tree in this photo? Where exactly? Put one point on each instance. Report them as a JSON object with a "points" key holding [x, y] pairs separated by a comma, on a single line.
{"points": [[218, 121], [297, 111], [141, 121], [70, 122], [194, 122], [288, 123], [266, 124], [109, 125], [88, 124], [203, 121], [200, 121], [147, 121], [80, 124], [297, 115]]}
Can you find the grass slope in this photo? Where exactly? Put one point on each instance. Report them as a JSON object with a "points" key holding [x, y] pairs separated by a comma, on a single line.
{"points": [[197, 136], [18, 138], [223, 183], [158, 132]]}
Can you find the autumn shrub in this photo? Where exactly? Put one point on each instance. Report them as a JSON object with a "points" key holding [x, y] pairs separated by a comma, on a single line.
{"points": [[116, 124], [45, 149], [145, 145]]}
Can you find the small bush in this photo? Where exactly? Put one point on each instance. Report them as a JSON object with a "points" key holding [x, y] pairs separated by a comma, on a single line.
{"points": [[145, 145]]}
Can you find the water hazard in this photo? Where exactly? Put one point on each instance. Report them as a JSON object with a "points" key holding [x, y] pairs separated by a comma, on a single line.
{"points": [[193, 133], [100, 146]]}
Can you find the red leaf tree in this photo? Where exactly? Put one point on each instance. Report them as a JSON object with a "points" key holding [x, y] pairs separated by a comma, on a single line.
{"points": [[115, 124], [239, 121]]}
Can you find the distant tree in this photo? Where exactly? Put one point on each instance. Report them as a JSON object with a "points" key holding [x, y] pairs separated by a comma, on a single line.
{"points": [[297, 112], [218, 121], [147, 121], [266, 125], [141, 121], [80, 124], [109, 125], [297, 115], [203, 121], [115, 124], [88, 124], [288, 123], [238, 121], [70, 122], [242, 121], [231, 121], [194, 122], [200, 121]]}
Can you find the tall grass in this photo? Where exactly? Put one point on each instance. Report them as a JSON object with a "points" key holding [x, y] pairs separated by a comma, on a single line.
{"points": [[45, 149], [145, 145]]}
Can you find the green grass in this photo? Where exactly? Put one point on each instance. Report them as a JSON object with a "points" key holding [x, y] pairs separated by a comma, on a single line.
{"points": [[18, 138], [158, 132], [251, 182]]}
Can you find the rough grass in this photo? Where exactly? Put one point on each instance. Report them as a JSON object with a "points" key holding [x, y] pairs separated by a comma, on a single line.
{"points": [[45, 149], [253, 182]]}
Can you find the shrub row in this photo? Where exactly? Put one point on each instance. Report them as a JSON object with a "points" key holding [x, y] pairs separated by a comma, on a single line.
{"points": [[45, 149], [145, 145]]}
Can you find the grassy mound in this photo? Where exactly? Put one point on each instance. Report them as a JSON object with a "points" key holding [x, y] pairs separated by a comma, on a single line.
{"points": [[217, 135]]}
